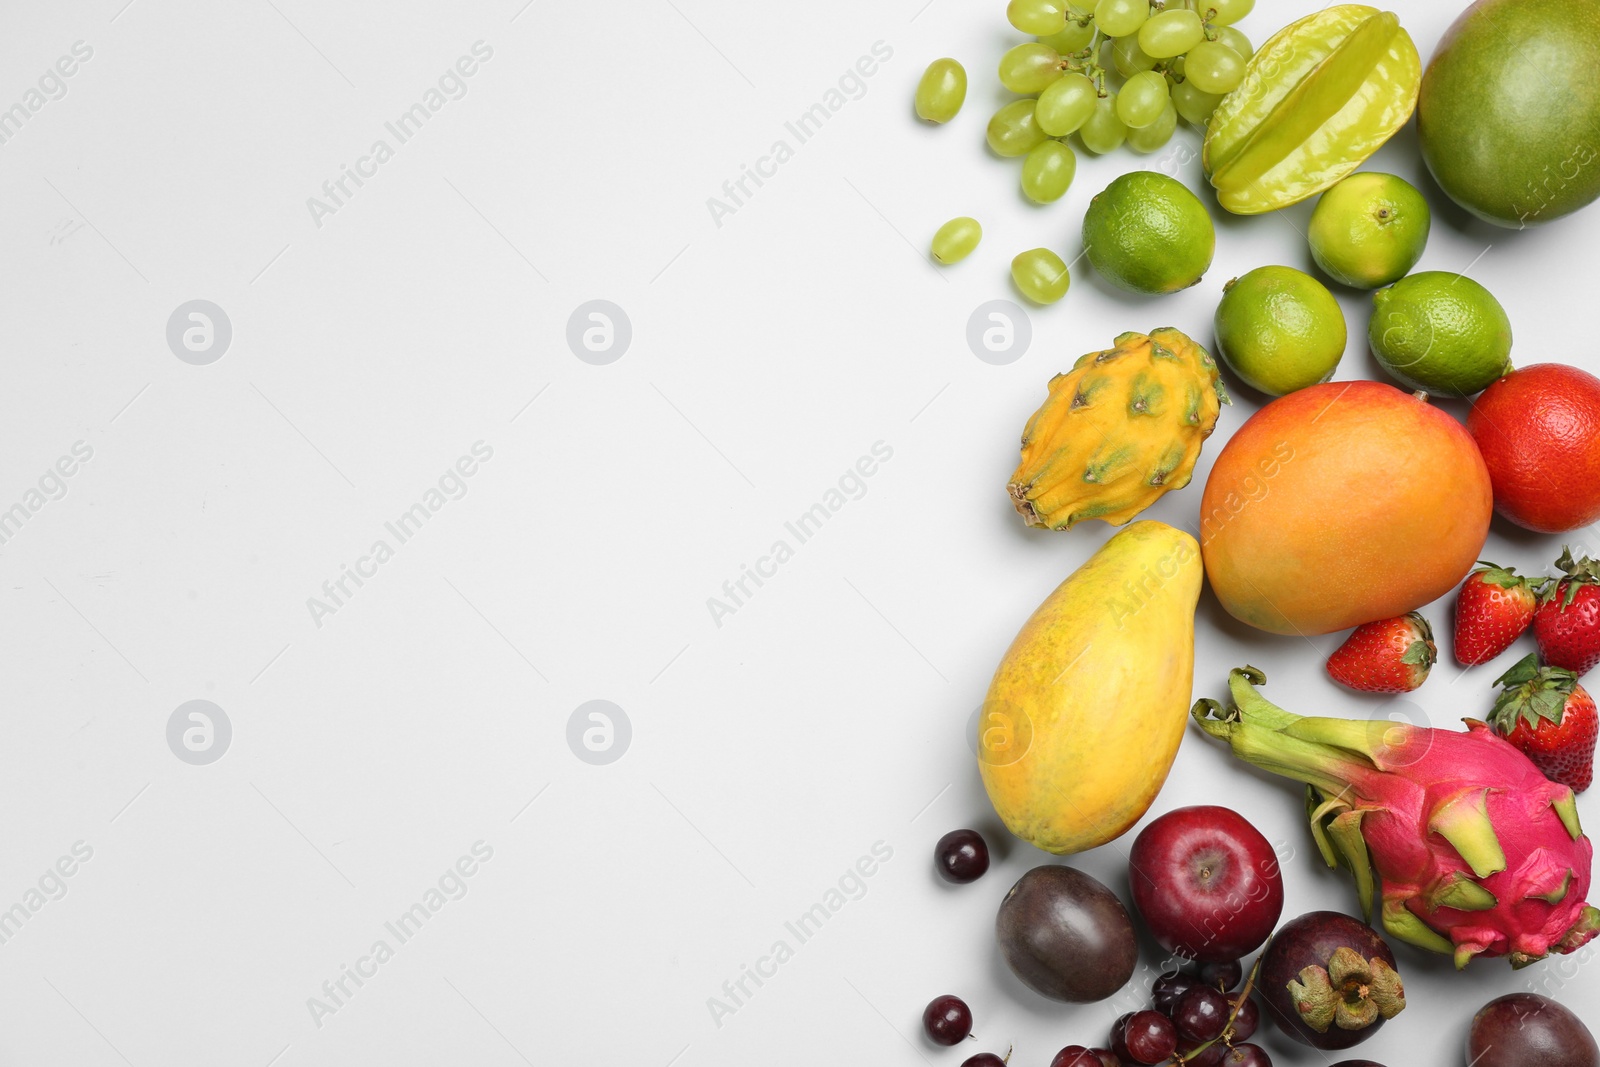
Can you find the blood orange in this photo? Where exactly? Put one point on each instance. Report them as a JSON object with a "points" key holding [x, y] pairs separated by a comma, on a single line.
{"points": [[1539, 431]]}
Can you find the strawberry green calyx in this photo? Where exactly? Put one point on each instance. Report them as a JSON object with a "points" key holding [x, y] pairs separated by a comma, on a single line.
{"points": [[1578, 573], [1421, 652], [1507, 577], [1531, 693], [1456, 840]]}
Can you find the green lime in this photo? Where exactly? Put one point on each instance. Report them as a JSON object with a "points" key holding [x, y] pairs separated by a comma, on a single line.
{"points": [[1440, 332], [1147, 233], [1369, 230], [1279, 329]]}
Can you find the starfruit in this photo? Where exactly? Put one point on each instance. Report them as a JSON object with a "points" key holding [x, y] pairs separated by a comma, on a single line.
{"points": [[1317, 99]]}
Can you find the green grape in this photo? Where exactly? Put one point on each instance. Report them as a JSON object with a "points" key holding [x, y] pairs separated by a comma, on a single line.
{"points": [[1235, 40], [1040, 17], [1065, 105], [1118, 18], [1048, 171], [1103, 132], [1128, 58], [1041, 275], [1029, 67], [1142, 99], [1013, 130], [1214, 68], [1075, 38], [1227, 12], [1171, 33], [1194, 105], [956, 239], [942, 91], [1151, 137]]}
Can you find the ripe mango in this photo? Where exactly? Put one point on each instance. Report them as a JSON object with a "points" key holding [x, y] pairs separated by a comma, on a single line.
{"points": [[1086, 710]]}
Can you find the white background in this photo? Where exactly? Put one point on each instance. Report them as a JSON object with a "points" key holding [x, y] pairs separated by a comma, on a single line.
{"points": [[428, 313]]}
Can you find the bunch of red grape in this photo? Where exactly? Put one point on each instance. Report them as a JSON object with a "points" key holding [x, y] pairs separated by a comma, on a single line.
{"points": [[1198, 1021]]}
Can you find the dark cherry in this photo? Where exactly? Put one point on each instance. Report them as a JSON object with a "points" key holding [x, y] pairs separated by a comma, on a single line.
{"points": [[1146, 1037], [1076, 1056], [1201, 1014], [983, 1059], [1209, 1058], [1245, 1023], [1223, 976], [1247, 1056], [961, 856], [947, 1019], [1166, 990]]}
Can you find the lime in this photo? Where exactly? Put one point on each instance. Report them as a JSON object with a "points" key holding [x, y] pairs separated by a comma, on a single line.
{"points": [[1147, 233], [1279, 329], [1440, 332], [1369, 230]]}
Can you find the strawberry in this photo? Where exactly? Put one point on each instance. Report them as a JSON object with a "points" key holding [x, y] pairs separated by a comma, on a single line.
{"points": [[1567, 621], [1549, 716], [1494, 607], [1388, 656]]}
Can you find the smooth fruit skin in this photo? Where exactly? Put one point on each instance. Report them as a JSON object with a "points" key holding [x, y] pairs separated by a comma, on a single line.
{"points": [[1085, 712], [1539, 431], [1509, 114], [947, 1019], [1206, 883], [1311, 940], [1340, 504], [1521, 1029], [1066, 936]]}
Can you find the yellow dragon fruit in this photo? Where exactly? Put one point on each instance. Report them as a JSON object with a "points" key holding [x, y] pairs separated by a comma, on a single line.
{"points": [[1118, 430], [1478, 852]]}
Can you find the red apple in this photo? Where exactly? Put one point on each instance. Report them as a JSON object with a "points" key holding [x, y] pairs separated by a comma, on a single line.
{"points": [[1206, 883]]}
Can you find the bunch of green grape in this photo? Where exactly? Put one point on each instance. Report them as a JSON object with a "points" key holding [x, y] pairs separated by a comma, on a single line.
{"points": [[1113, 72]]}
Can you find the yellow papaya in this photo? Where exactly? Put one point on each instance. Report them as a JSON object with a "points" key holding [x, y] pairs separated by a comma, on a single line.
{"points": [[1085, 712]]}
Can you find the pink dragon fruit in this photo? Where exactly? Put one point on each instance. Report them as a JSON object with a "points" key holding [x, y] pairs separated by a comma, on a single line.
{"points": [[1478, 852]]}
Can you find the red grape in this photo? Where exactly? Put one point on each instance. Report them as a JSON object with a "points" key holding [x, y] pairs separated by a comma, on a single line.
{"points": [[947, 1019], [961, 856], [1247, 1056], [1223, 976], [1075, 1056], [1244, 1024], [1201, 1014], [1166, 990], [1146, 1037], [983, 1059], [1209, 1058]]}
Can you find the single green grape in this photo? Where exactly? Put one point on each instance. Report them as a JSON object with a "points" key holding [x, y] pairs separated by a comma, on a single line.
{"points": [[1103, 132], [1213, 68], [1065, 105], [942, 91], [1142, 99], [1013, 131], [1171, 33], [1041, 275], [1040, 17], [956, 239], [1029, 67], [1118, 18], [1075, 38], [1151, 137], [1128, 58], [1236, 40], [1047, 171], [1192, 104], [1227, 12]]}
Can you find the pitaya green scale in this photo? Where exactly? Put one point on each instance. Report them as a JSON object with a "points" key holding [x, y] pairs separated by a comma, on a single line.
{"points": [[1477, 852]]}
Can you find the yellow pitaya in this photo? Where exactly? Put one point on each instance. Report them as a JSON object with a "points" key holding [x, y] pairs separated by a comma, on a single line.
{"points": [[1478, 852]]}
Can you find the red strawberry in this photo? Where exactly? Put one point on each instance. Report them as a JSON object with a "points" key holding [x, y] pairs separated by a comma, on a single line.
{"points": [[1389, 656], [1548, 715], [1567, 622], [1493, 608]]}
